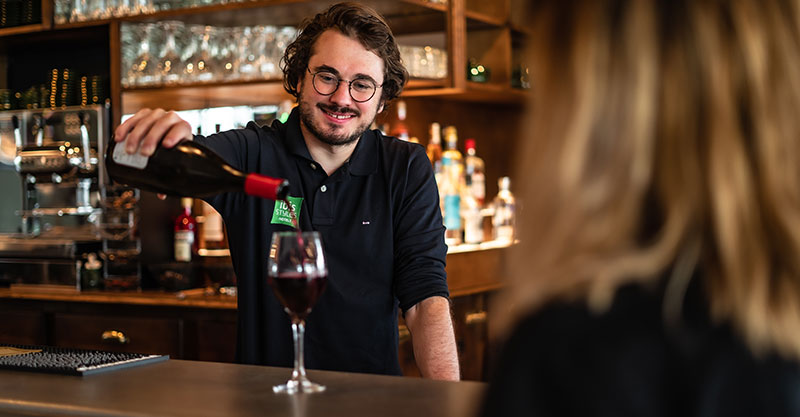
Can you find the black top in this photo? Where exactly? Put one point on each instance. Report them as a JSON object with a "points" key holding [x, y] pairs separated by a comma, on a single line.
{"points": [[565, 361], [382, 233]]}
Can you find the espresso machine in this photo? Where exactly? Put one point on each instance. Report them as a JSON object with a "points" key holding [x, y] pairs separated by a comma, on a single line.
{"points": [[70, 222]]}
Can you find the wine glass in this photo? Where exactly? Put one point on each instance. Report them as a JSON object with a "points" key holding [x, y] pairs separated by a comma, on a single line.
{"points": [[297, 274]]}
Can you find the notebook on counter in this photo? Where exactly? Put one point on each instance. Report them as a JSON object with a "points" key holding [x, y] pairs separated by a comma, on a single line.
{"points": [[69, 361]]}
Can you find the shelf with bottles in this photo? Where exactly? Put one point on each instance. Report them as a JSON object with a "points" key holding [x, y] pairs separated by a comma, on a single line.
{"points": [[23, 16], [33, 67]]}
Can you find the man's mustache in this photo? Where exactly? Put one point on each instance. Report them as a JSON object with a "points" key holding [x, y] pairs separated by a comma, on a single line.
{"points": [[336, 109]]}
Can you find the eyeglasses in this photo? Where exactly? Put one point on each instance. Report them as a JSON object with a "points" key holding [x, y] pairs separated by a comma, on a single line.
{"points": [[326, 83]]}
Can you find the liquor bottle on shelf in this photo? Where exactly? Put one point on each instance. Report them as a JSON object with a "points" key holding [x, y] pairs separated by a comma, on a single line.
{"points": [[185, 233], [474, 194], [451, 186], [188, 170], [472, 219], [400, 130], [474, 173], [434, 151], [503, 221], [434, 148]]}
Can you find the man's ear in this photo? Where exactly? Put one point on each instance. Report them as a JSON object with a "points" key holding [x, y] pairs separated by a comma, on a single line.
{"points": [[380, 106]]}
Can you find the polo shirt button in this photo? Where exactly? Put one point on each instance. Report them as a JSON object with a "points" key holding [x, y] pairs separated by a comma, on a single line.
{"points": [[323, 188], [313, 166]]}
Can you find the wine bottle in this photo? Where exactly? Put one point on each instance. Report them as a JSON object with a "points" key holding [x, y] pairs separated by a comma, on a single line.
{"points": [[188, 170], [185, 233]]}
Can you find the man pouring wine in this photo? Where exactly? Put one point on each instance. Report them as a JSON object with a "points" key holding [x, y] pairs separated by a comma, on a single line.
{"points": [[372, 198]]}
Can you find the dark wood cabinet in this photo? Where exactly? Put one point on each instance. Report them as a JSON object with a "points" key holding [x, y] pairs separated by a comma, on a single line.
{"points": [[119, 333], [121, 323], [24, 327]]}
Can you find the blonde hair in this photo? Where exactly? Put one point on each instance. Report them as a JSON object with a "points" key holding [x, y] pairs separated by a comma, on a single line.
{"points": [[663, 131]]}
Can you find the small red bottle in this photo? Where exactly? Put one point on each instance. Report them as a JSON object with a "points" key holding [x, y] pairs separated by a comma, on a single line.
{"points": [[185, 233]]}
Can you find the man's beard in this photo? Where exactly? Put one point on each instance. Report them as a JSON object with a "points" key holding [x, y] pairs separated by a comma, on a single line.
{"points": [[331, 138]]}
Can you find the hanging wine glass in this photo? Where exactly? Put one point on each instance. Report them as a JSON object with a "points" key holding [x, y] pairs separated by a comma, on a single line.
{"points": [[169, 62], [79, 11], [201, 65], [189, 54], [223, 43], [142, 69], [245, 59], [269, 57]]}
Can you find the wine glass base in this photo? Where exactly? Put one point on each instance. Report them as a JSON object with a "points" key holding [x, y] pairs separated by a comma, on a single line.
{"points": [[293, 387]]}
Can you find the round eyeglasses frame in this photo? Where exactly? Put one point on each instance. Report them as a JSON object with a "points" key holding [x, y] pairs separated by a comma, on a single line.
{"points": [[339, 81]]}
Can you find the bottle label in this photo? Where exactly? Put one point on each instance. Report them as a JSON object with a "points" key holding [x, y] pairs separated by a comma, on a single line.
{"points": [[122, 157], [184, 239], [504, 233], [452, 211], [478, 188], [473, 226], [281, 214]]}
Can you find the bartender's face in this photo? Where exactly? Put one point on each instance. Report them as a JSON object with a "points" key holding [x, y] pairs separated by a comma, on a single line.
{"points": [[337, 119]]}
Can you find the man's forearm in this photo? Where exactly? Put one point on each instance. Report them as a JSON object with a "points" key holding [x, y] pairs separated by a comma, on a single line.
{"points": [[431, 328]]}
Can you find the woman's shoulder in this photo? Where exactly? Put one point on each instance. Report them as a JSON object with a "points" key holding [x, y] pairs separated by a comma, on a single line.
{"points": [[631, 353]]}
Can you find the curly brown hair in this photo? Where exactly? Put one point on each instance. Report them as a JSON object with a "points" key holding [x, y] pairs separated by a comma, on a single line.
{"points": [[358, 22]]}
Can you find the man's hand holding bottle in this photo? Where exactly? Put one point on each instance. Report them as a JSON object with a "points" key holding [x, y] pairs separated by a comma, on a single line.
{"points": [[149, 128]]}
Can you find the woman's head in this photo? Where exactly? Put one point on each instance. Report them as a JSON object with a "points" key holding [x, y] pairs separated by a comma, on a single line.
{"points": [[658, 126]]}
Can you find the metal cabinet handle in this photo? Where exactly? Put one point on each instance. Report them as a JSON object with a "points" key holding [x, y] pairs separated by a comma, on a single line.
{"points": [[115, 336], [475, 318]]}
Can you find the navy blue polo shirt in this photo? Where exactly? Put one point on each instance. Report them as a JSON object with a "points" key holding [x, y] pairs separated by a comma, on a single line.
{"points": [[382, 233]]}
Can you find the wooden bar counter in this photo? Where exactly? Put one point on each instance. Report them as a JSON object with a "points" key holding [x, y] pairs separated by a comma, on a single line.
{"points": [[194, 388]]}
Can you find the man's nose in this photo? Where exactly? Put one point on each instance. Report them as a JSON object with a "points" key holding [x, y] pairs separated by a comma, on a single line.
{"points": [[342, 94]]}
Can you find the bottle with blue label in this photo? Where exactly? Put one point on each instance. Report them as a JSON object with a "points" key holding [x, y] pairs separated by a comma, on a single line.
{"points": [[452, 185]]}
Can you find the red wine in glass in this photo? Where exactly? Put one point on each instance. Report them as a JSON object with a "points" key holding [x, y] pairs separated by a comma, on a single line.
{"points": [[298, 292], [297, 273]]}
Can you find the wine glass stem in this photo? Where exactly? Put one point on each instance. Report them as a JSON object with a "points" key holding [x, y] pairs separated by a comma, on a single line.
{"points": [[298, 332]]}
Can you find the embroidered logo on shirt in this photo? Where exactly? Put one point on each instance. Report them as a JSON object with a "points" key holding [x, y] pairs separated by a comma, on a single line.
{"points": [[281, 215]]}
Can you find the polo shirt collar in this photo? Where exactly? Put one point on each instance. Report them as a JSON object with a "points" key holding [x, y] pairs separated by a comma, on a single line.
{"points": [[363, 161]]}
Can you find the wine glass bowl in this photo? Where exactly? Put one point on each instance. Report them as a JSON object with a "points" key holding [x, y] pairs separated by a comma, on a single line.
{"points": [[297, 273]]}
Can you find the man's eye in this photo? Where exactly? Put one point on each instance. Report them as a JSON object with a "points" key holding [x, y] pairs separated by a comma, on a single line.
{"points": [[362, 85], [327, 78]]}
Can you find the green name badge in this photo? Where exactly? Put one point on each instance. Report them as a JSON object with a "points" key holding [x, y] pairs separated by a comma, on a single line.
{"points": [[281, 214]]}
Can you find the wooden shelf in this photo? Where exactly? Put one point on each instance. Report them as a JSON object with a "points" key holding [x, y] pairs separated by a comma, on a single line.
{"points": [[399, 14], [149, 298], [477, 20], [18, 30], [235, 93], [200, 96], [520, 30], [481, 13], [475, 92]]}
